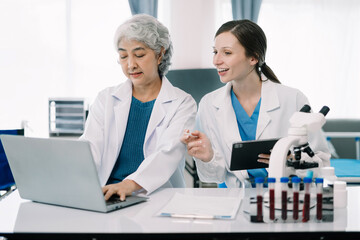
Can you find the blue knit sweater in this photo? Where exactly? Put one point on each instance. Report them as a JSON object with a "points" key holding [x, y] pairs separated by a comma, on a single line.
{"points": [[131, 153]]}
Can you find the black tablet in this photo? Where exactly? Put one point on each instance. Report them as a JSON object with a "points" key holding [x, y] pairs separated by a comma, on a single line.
{"points": [[244, 154]]}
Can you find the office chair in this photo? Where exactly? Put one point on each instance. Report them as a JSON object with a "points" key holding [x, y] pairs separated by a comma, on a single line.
{"points": [[344, 135], [196, 82], [7, 182]]}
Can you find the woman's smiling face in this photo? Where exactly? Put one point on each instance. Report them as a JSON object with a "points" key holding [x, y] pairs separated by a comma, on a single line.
{"points": [[230, 58]]}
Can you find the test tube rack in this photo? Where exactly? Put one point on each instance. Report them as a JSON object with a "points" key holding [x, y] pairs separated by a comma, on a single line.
{"points": [[250, 206]]}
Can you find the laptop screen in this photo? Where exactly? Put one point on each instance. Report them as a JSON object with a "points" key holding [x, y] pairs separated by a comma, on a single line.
{"points": [[6, 177]]}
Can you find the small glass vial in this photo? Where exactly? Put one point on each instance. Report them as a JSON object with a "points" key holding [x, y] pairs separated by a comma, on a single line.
{"points": [[284, 190], [319, 197], [328, 174], [295, 188], [306, 208], [340, 194], [259, 181], [271, 186]]}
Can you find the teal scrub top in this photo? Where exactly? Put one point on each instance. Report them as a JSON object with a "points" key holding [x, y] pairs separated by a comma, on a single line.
{"points": [[247, 128]]}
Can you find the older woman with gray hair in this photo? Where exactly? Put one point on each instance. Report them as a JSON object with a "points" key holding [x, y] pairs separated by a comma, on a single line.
{"points": [[134, 128]]}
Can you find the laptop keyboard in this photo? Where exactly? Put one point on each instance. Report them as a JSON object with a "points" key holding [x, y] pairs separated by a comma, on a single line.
{"points": [[114, 199]]}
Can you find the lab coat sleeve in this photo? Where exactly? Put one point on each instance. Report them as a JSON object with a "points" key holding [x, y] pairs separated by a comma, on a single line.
{"points": [[159, 166], [94, 130], [215, 170]]}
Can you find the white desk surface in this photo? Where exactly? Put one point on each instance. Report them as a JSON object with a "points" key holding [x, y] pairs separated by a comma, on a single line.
{"points": [[22, 216], [342, 134]]}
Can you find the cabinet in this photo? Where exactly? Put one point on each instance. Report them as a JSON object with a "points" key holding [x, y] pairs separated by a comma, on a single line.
{"points": [[66, 116]]}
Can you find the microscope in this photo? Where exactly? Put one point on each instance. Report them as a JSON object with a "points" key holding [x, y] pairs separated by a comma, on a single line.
{"points": [[301, 123], [280, 167]]}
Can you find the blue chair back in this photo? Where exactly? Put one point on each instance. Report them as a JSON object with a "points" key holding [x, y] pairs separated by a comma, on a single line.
{"points": [[196, 82], [6, 177]]}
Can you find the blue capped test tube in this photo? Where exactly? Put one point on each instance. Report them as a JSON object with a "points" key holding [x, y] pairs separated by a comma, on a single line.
{"points": [[296, 188], [306, 207], [284, 189], [271, 186]]}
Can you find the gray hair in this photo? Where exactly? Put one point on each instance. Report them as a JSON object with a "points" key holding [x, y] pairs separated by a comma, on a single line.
{"points": [[148, 30]]}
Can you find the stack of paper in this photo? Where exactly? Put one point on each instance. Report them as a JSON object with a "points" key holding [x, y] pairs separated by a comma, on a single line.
{"points": [[190, 206]]}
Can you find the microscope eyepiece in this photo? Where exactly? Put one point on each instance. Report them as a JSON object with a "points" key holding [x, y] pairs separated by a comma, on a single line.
{"points": [[324, 110], [306, 108]]}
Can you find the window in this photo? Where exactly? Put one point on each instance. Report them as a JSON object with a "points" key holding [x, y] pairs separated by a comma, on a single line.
{"points": [[55, 48], [93, 58], [314, 46], [223, 13]]}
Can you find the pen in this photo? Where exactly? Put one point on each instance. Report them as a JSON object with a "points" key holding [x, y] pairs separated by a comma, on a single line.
{"points": [[188, 134], [194, 216]]}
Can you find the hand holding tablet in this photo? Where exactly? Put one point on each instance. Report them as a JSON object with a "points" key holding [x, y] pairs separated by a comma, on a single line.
{"points": [[245, 154]]}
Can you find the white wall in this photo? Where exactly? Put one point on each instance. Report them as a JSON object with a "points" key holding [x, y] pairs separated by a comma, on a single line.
{"points": [[191, 29]]}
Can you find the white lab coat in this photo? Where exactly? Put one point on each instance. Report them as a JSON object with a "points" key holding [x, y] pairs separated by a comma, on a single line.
{"points": [[163, 166], [217, 119]]}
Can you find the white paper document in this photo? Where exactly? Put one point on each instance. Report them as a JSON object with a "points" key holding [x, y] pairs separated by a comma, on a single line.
{"points": [[190, 206]]}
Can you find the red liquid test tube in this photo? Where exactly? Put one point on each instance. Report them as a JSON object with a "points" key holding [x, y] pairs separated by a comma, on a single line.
{"points": [[259, 181], [319, 197], [306, 208], [296, 188], [271, 186], [284, 189]]}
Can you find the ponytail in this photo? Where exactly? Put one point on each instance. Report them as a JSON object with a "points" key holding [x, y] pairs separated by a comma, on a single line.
{"points": [[266, 70]]}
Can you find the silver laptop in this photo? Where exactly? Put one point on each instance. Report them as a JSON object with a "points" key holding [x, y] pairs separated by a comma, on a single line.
{"points": [[60, 172]]}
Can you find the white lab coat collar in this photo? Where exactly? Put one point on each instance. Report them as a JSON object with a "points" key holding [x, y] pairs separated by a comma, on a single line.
{"points": [[227, 118], [269, 102], [166, 95], [121, 108], [122, 95]]}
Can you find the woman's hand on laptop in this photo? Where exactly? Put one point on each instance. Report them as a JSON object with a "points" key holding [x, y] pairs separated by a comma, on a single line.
{"points": [[123, 189]]}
